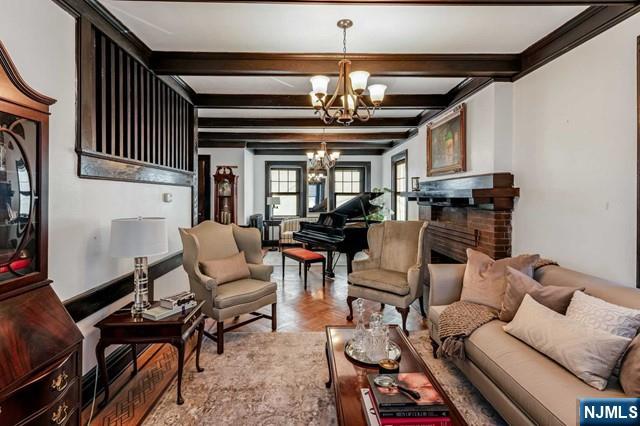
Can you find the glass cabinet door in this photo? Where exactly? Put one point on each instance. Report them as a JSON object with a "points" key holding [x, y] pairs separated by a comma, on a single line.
{"points": [[18, 213]]}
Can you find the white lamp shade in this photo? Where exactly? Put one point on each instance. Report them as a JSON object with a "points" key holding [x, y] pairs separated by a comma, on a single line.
{"points": [[335, 155], [376, 92], [319, 84], [359, 80], [273, 201], [138, 237], [310, 155]]}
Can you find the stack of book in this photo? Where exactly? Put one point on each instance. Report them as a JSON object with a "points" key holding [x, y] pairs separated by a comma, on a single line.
{"points": [[388, 406], [171, 305]]}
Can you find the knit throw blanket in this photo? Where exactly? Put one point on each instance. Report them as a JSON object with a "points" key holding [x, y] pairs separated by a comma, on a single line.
{"points": [[457, 322]]}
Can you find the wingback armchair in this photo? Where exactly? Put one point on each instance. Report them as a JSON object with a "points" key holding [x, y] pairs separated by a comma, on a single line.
{"points": [[392, 274], [212, 241]]}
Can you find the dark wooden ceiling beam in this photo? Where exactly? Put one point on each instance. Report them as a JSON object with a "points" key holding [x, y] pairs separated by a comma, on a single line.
{"points": [[302, 137], [311, 122], [304, 101], [359, 151], [308, 146], [303, 64], [426, 2]]}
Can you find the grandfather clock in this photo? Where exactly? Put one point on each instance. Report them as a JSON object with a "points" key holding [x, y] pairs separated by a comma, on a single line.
{"points": [[225, 194], [40, 345]]}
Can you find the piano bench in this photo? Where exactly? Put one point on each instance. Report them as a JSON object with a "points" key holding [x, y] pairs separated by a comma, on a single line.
{"points": [[303, 257]]}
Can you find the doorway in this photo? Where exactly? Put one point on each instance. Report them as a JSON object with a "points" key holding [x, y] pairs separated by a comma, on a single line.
{"points": [[204, 188]]}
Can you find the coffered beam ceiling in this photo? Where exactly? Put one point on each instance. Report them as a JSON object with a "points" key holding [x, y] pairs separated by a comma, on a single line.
{"points": [[303, 137], [302, 64], [312, 122], [304, 102]]}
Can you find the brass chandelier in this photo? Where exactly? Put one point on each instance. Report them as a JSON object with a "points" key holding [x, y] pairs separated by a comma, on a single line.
{"points": [[349, 92], [321, 160]]}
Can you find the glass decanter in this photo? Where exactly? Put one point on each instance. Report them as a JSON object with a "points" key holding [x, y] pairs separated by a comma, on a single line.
{"points": [[360, 333]]}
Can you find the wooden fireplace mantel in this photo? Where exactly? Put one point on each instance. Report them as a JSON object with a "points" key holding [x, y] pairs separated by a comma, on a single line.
{"points": [[491, 191]]}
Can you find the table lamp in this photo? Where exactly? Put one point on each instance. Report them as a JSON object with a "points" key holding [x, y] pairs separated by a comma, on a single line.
{"points": [[138, 238], [273, 202]]}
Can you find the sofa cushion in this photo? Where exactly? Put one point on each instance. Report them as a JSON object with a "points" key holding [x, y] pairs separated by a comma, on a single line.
{"points": [[381, 279], [539, 386], [242, 291], [630, 370], [485, 279]]}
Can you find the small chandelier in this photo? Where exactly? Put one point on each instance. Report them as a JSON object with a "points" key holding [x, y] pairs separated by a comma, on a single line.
{"points": [[322, 159], [349, 92]]}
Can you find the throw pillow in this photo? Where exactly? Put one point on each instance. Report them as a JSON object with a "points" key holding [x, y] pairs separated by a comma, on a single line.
{"points": [[485, 279], [227, 269], [588, 353], [596, 313], [519, 284], [630, 369]]}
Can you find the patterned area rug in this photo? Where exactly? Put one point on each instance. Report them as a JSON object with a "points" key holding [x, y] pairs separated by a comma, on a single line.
{"points": [[278, 379]]}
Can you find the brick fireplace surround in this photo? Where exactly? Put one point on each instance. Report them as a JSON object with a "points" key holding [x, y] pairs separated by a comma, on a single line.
{"points": [[467, 212]]}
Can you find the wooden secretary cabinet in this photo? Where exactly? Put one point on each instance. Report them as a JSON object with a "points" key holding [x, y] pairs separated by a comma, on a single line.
{"points": [[40, 345]]}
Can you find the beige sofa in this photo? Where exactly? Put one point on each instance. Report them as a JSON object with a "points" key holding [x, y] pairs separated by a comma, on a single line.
{"points": [[523, 385]]}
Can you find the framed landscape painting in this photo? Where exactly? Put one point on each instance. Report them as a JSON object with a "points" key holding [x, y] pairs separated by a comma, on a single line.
{"points": [[446, 143]]}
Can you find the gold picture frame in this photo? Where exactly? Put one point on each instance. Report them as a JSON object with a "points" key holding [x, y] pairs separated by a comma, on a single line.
{"points": [[446, 143]]}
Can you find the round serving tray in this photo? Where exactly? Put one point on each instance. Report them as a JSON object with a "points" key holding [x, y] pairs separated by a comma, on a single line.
{"points": [[358, 357]]}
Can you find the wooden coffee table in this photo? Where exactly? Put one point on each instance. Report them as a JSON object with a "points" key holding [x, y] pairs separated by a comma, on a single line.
{"points": [[348, 378]]}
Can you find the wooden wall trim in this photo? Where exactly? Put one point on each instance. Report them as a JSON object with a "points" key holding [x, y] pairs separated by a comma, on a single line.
{"points": [[91, 301], [582, 28], [93, 165]]}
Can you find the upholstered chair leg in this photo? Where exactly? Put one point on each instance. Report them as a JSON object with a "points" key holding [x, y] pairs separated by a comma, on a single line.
{"points": [[404, 313], [283, 260], [424, 314], [274, 320], [350, 300], [220, 337], [382, 306], [299, 269]]}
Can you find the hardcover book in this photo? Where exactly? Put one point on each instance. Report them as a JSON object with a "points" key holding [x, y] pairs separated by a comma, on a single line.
{"points": [[374, 419], [388, 399]]}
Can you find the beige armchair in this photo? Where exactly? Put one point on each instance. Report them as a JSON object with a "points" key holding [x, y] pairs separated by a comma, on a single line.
{"points": [[211, 240], [393, 272]]}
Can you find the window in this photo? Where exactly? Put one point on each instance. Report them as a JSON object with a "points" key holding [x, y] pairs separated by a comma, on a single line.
{"points": [[399, 184], [284, 182], [348, 180]]}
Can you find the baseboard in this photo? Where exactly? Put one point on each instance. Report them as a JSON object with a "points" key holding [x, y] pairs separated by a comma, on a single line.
{"points": [[117, 363]]}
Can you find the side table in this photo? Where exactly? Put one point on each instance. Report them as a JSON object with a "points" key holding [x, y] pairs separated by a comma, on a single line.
{"points": [[122, 328]]}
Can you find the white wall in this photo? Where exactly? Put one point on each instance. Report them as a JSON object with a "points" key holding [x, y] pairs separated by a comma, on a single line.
{"points": [[489, 139], [40, 36], [575, 157], [259, 164]]}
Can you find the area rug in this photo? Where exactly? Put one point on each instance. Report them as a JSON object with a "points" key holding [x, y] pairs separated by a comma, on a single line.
{"points": [[278, 379]]}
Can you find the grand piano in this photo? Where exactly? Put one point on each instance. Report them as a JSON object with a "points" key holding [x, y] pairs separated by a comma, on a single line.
{"points": [[342, 230]]}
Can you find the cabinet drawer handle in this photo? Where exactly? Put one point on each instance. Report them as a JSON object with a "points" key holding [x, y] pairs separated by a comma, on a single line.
{"points": [[61, 382], [61, 414]]}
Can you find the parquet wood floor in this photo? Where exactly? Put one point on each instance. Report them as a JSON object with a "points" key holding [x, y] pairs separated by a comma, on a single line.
{"points": [[298, 310]]}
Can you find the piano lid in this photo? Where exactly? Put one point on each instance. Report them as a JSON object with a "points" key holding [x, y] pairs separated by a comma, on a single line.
{"points": [[353, 209]]}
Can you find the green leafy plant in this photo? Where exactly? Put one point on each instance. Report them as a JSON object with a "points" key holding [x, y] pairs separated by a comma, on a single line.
{"points": [[383, 212]]}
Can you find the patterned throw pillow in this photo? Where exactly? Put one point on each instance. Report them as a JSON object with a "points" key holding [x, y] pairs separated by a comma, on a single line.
{"points": [[600, 315], [587, 352]]}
